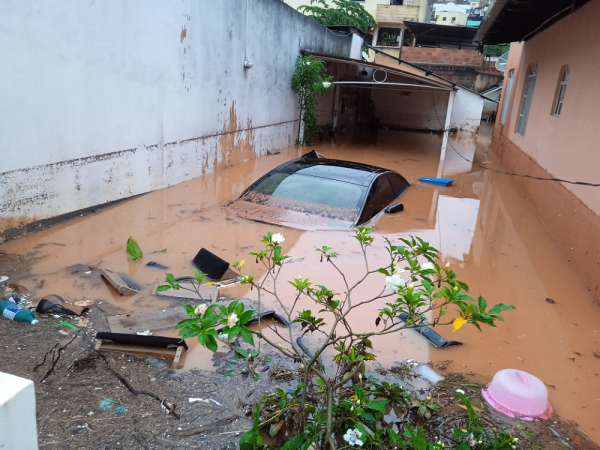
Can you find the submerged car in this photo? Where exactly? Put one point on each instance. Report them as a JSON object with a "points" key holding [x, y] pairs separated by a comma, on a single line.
{"points": [[312, 192]]}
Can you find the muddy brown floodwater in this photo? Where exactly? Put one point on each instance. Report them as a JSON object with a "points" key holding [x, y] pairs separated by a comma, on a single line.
{"points": [[482, 225]]}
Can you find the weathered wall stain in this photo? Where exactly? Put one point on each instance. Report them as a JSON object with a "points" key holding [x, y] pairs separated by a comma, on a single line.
{"points": [[160, 112]]}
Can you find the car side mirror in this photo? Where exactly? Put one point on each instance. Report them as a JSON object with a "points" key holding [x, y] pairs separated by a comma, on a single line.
{"points": [[397, 207]]}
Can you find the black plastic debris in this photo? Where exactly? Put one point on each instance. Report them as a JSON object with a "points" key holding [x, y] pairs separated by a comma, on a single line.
{"points": [[54, 304], [136, 339], [434, 338], [210, 264], [156, 265], [394, 208]]}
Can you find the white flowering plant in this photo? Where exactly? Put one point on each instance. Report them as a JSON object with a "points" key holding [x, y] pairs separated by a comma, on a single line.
{"points": [[335, 404]]}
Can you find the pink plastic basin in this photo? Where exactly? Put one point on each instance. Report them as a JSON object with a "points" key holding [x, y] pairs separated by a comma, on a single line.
{"points": [[518, 394]]}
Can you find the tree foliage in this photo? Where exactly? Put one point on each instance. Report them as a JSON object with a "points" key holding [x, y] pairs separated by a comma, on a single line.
{"points": [[340, 12]]}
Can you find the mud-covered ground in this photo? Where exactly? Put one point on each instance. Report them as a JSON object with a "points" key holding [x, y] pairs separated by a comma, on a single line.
{"points": [[83, 404]]}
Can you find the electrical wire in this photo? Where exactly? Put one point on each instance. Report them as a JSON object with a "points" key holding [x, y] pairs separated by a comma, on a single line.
{"points": [[503, 172]]}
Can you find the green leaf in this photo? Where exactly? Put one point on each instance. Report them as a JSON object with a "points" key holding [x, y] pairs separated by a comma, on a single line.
{"points": [[377, 405], [498, 308], [242, 352], [233, 331], [189, 309], [419, 441], [427, 285], [247, 335], [249, 440], [245, 317], [295, 442], [199, 275], [383, 271], [133, 250], [232, 306], [211, 343], [239, 309], [367, 417], [482, 303], [163, 287], [164, 250]]}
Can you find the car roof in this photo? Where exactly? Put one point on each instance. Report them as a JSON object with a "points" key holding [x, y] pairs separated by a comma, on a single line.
{"points": [[333, 169]]}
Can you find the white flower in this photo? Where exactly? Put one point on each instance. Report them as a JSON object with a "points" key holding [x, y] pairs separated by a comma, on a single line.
{"points": [[224, 337], [326, 84], [278, 238], [352, 437], [448, 265], [394, 282], [232, 319], [472, 442], [200, 309], [460, 391], [399, 270], [427, 266]]}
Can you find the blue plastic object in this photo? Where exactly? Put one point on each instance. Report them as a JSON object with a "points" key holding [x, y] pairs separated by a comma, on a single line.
{"points": [[437, 181]]}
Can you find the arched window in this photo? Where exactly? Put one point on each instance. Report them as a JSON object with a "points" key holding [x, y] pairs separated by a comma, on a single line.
{"points": [[527, 99], [560, 91], [509, 83]]}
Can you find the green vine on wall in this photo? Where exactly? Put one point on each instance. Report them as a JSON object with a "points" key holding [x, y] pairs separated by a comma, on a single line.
{"points": [[309, 82]]}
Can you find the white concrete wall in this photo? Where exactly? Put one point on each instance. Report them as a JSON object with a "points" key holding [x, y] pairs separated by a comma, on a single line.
{"points": [[102, 100], [466, 111], [18, 423], [417, 110]]}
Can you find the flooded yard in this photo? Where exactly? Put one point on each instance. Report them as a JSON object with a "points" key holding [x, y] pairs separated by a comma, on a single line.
{"points": [[482, 225]]}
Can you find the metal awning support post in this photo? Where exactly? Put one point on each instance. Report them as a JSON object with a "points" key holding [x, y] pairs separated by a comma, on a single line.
{"points": [[447, 125]]}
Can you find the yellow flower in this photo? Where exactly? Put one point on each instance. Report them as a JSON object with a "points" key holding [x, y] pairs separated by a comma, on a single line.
{"points": [[458, 323]]}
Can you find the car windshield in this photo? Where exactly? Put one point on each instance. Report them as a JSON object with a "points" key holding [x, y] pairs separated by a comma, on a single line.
{"points": [[308, 194]]}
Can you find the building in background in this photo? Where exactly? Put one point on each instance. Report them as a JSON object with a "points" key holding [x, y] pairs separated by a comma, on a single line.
{"points": [[450, 14], [450, 52], [390, 16], [547, 124]]}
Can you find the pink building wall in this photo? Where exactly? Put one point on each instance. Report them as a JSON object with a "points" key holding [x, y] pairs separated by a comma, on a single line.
{"points": [[567, 146]]}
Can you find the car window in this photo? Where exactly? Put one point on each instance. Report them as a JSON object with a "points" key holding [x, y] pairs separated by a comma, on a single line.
{"points": [[398, 183], [312, 195], [380, 196]]}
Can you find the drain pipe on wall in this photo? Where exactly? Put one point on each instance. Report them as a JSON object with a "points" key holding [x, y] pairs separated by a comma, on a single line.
{"points": [[247, 63]]}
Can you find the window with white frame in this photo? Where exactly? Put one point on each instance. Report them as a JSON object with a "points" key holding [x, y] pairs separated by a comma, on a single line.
{"points": [[527, 99], [509, 82], [560, 91]]}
